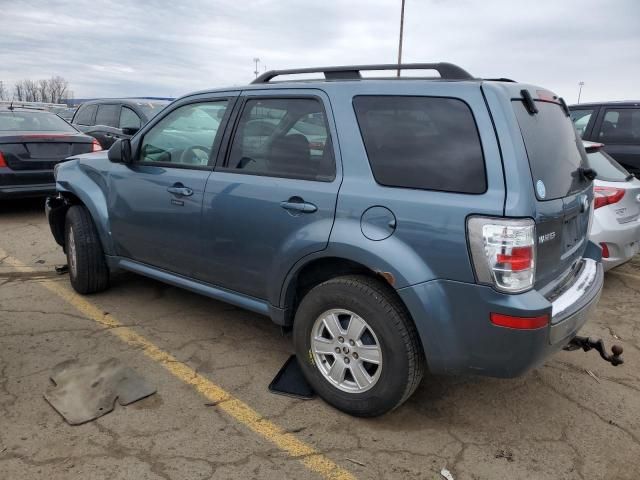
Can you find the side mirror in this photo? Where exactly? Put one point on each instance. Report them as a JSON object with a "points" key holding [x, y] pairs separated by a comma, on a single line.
{"points": [[120, 151], [129, 130]]}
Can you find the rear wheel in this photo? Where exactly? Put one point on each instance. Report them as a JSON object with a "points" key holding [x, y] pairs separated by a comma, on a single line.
{"points": [[88, 270], [357, 346]]}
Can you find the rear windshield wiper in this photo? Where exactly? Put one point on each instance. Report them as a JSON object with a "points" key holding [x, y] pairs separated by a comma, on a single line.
{"points": [[631, 176], [588, 173]]}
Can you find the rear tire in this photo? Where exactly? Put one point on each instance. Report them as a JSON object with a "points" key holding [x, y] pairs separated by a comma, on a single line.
{"points": [[88, 269], [386, 335]]}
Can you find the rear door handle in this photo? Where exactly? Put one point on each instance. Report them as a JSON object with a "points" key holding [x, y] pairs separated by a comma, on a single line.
{"points": [[180, 190], [303, 207]]}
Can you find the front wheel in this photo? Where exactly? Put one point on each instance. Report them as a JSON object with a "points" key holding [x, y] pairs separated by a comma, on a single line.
{"points": [[357, 346], [88, 270]]}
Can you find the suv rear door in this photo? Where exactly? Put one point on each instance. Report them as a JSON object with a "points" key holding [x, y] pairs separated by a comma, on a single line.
{"points": [[271, 199], [618, 127], [562, 194]]}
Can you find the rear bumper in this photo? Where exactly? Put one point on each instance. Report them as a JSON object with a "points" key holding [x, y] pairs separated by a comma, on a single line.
{"points": [[14, 184], [453, 321], [623, 240]]}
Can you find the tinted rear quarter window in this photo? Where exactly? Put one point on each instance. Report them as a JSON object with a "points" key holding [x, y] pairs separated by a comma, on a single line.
{"points": [[428, 143], [581, 119], [85, 115], [554, 149]]}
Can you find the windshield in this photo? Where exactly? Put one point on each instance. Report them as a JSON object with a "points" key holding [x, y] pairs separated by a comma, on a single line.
{"points": [[607, 168], [17, 121], [554, 149], [151, 109]]}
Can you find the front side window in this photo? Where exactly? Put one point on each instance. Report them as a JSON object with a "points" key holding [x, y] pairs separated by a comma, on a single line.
{"points": [[581, 119], [620, 125], [426, 143], [129, 119], [184, 137], [283, 137]]}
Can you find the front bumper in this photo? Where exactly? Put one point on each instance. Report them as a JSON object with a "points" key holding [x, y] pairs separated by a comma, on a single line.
{"points": [[453, 321]]}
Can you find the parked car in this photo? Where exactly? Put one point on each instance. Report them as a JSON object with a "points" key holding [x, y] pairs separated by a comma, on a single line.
{"points": [[32, 141], [616, 125], [65, 113], [110, 119], [424, 224], [616, 220]]}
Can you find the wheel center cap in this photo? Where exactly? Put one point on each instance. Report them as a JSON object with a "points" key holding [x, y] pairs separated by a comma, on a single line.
{"points": [[345, 349]]}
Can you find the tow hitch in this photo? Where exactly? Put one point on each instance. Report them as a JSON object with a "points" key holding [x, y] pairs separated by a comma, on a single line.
{"points": [[588, 343]]}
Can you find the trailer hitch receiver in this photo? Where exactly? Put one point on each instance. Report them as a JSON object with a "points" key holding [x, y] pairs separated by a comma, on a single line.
{"points": [[589, 343]]}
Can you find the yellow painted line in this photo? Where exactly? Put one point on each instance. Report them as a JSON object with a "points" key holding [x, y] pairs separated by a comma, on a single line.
{"points": [[240, 411]]}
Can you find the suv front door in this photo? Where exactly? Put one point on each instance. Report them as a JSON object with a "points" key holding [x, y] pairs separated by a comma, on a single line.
{"points": [[272, 201], [155, 202]]}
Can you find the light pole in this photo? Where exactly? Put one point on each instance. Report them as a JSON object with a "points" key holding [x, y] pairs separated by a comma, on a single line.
{"points": [[581, 84], [256, 61], [401, 34]]}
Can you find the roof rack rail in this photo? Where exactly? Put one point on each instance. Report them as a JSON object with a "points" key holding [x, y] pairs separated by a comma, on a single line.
{"points": [[447, 71]]}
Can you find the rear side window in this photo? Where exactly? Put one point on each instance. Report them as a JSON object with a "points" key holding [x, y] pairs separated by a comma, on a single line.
{"points": [[427, 143], [283, 137], [108, 115], [85, 115], [620, 125], [554, 149]]}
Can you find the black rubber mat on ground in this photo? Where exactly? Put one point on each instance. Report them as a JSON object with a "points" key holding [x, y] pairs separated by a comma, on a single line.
{"points": [[291, 382]]}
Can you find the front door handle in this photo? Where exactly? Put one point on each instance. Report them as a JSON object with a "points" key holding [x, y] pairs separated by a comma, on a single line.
{"points": [[179, 189], [298, 206]]}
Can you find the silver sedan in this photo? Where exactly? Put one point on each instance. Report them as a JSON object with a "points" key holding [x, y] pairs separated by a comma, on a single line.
{"points": [[616, 219]]}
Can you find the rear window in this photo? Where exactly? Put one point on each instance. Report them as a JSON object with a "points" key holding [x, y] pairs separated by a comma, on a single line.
{"points": [[427, 143], [33, 122], [554, 149], [607, 168]]}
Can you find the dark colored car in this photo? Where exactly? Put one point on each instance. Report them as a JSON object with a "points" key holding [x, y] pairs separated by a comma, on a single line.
{"points": [[397, 225], [32, 142], [109, 119], [616, 124]]}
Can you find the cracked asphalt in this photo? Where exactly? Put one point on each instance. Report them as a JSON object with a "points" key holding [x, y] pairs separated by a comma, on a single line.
{"points": [[556, 422]]}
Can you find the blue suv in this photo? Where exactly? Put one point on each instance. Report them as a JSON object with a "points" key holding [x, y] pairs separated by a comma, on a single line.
{"points": [[398, 225]]}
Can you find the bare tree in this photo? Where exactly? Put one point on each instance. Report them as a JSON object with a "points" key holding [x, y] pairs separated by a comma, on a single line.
{"points": [[18, 92], [43, 91], [3, 91], [58, 87]]}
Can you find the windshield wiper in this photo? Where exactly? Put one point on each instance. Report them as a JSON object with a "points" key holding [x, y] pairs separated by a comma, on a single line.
{"points": [[631, 176]]}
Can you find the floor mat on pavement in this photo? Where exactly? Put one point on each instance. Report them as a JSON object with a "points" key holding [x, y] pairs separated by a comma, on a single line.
{"points": [[291, 382], [82, 393]]}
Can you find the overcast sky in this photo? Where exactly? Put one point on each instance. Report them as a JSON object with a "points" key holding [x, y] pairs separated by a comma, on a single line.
{"points": [[169, 48]]}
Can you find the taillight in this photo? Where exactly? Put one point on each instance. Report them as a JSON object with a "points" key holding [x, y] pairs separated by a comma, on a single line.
{"points": [[503, 251], [96, 146], [605, 250], [607, 196], [3, 162]]}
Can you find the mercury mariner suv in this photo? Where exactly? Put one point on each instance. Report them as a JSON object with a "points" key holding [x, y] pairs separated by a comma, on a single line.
{"points": [[398, 225]]}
